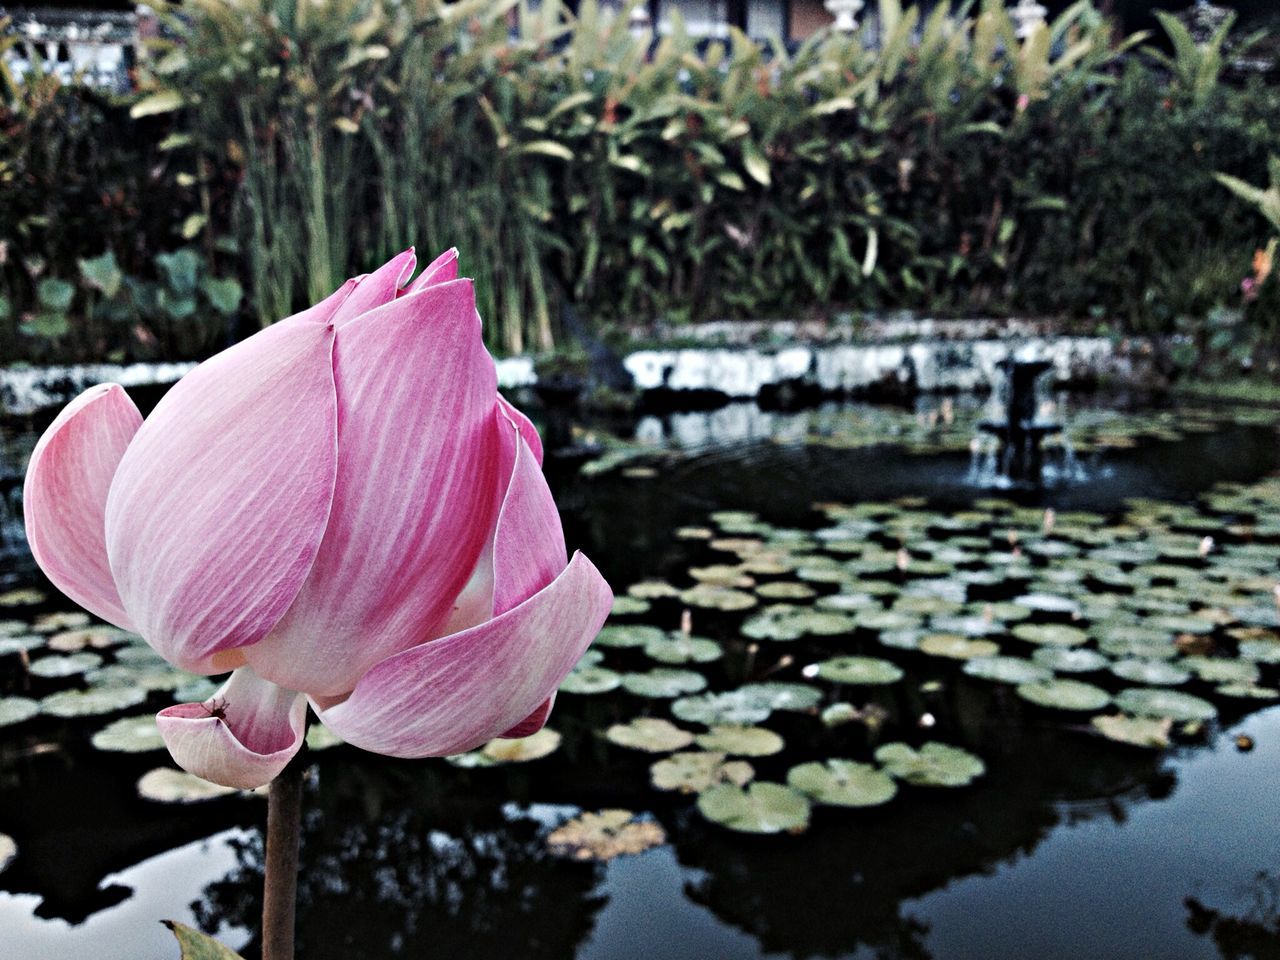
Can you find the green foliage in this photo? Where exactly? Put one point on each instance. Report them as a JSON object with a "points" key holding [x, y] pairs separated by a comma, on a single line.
{"points": [[953, 167]]}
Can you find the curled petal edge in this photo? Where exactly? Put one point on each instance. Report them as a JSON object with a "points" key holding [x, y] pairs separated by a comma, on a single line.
{"points": [[242, 736]]}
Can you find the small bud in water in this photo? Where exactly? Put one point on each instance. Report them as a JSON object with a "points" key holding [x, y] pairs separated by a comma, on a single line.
{"points": [[1012, 536], [1206, 546], [927, 720], [686, 622], [903, 559], [1049, 519], [810, 671], [1244, 743]]}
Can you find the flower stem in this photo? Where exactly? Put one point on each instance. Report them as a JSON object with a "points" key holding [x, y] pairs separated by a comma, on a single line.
{"points": [[284, 828]]}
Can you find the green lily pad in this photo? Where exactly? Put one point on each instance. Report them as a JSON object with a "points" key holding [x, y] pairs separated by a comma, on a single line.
{"points": [[1151, 673], [858, 671], [15, 710], [1070, 659], [696, 771], [167, 785], [93, 702], [627, 606], [1048, 603], [97, 638], [652, 590], [198, 690], [955, 647], [785, 590], [933, 765], [649, 734], [1261, 651], [148, 677], [130, 735], [523, 749], [22, 597], [664, 683], [1157, 702], [71, 665], [1247, 691], [194, 945], [708, 597], [1012, 670], [600, 837], [1222, 669], [776, 695], [713, 709], [628, 635], [677, 648], [761, 807], [1150, 732], [843, 783], [23, 643], [588, 681], [53, 622], [320, 737], [1065, 695], [741, 741], [1050, 634]]}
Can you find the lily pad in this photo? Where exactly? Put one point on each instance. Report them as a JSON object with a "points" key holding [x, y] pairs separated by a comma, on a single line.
{"points": [[627, 606], [1157, 702], [679, 648], [70, 665], [92, 702], [14, 710], [1222, 669], [1247, 691], [933, 765], [587, 681], [23, 643], [1012, 670], [696, 771], [858, 671], [320, 737], [167, 785], [652, 590], [628, 635], [523, 749], [53, 622], [713, 709], [1050, 634], [1153, 673], [649, 734], [664, 683], [955, 647], [1070, 659], [1065, 695], [761, 807], [741, 741], [130, 735], [776, 695], [708, 597], [843, 783], [602, 836], [1150, 732]]}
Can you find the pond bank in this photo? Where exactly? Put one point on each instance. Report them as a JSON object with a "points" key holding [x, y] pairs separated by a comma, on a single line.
{"points": [[894, 358]]}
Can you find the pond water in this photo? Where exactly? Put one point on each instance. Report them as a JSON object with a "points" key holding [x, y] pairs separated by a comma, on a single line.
{"points": [[848, 591]]}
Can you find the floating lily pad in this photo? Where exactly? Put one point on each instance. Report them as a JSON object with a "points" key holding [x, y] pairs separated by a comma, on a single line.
{"points": [[1152, 673], [53, 622], [1247, 691], [628, 635], [1222, 670], [1065, 695], [933, 765], [130, 735], [843, 783], [158, 677], [1048, 603], [859, 671], [761, 807], [785, 590], [197, 690], [712, 709], [139, 654], [679, 648], [23, 597], [627, 606], [1070, 659], [70, 665], [664, 683], [722, 575], [167, 785], [320, 737], [1261, 651], [652, 590], [955, 647], [1157, 702], [650, 734], [587, 681], [523, 749], [782, 696], [1012, 670], [1150, 732], [1050, 634], [741, 741], [605, 835], [15, 710], [93, 702], [707, 597], [696, 771], [23, 643]]}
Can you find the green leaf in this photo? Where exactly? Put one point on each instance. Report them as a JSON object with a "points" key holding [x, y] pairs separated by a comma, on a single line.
{"points": [[199, 946], [166, 101], [180, 269], [224, 293], [755, 162], [48, 326], [548, 148], [54, 294], [103, 274], [193, 225]]}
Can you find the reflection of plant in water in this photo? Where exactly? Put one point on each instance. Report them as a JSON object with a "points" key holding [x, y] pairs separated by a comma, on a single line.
{"points": [[1253, 934], [415, 880]]}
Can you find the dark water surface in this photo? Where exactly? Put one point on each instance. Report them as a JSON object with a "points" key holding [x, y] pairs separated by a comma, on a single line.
{"points": [[1069, 847]]}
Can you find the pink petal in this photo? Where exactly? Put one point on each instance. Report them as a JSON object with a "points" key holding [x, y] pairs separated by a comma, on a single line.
{"points": [[528, 546], [440, 270], [64, 499], [242, 736], [453, 694], [527, 429], [532, 723], [323, 311], [377, 288], [418, 460], [219, 505]]}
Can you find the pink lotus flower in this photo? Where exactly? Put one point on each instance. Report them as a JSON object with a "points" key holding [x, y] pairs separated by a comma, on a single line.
{"points": [[343, 511]]}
